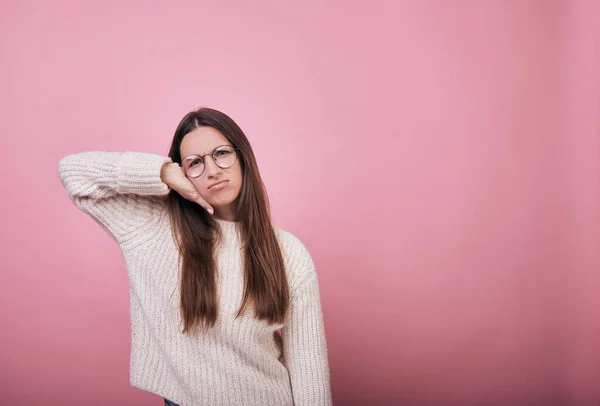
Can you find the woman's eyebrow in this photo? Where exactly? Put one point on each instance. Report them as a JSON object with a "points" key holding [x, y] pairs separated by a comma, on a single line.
{"points": [[213, 150], [198, 154], [207, 152]]}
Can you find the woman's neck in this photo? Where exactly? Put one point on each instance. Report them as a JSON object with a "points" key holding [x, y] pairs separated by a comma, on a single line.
{"points": [[225, 213]]}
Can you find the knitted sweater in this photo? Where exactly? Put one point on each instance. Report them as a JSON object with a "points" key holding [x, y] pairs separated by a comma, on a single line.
{"points": [[237, 362]]}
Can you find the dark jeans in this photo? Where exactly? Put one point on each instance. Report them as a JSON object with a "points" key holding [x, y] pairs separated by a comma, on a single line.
{"points": [[169, 403]]}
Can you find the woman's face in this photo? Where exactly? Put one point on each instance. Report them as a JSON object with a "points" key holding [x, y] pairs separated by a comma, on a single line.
{"points": [[202, 141]]}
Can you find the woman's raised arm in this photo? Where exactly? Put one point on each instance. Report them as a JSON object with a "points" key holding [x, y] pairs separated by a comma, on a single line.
{"points": [[120, 190]]}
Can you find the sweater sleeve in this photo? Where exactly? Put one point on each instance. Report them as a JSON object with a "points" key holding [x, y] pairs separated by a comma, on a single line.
{"points": [[305, 347], [121, 191]]}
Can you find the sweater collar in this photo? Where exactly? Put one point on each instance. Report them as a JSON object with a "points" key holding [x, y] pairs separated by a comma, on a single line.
{"points": [[230, 228]]}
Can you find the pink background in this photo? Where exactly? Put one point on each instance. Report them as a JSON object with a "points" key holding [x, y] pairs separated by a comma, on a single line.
{"points": [[440, 160]]}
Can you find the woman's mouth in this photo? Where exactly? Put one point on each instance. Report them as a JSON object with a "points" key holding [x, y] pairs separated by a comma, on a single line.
{"points": [[218, 186]]}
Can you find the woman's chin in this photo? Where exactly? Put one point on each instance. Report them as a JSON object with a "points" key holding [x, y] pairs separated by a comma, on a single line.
{"points": [[220, 203]]}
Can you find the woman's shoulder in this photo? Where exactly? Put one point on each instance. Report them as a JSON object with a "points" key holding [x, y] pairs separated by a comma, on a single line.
{"points": [[298, 261], [285, 237]]}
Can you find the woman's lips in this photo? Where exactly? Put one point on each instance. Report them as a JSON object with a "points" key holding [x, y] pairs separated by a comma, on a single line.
{"points": [[219, 186]]}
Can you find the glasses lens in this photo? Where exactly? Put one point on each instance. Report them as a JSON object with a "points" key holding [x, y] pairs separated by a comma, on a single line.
{"points": [[225, 156], [193, 166]]}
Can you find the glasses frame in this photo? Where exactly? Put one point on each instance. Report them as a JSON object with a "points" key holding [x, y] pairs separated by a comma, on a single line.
{"points": [[214, 160]]}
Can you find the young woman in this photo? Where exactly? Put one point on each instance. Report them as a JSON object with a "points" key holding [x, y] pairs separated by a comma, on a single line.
{"points": [[218, 294]]}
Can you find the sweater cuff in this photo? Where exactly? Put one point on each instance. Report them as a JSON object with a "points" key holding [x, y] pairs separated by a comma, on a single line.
{"points": [[139, 173]]}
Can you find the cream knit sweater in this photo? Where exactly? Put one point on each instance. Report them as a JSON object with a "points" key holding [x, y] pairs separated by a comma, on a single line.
{"points": [[238, 361]]}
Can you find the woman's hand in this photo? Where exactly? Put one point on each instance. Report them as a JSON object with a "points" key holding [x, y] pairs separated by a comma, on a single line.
{"points": [[173, 175]]}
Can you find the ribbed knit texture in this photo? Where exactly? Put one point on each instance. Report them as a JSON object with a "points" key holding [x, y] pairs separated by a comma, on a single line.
{"points": [[238, 361]]}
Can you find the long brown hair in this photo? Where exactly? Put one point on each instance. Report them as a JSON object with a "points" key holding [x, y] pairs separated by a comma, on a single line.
{"points": [[197, 233]]}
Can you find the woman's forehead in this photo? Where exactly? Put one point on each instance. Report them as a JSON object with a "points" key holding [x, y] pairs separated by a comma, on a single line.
{"points": [[201, 141]]}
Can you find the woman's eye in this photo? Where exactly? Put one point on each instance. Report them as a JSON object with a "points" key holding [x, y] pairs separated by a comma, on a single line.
{"points": [[195, 162]]}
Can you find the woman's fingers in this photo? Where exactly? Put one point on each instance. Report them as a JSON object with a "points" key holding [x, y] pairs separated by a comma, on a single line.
{"points": [[205, 204], [191, 193]]}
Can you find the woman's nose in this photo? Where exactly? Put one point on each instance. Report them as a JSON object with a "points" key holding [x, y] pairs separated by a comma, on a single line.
{"points": [[211, 168]]}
